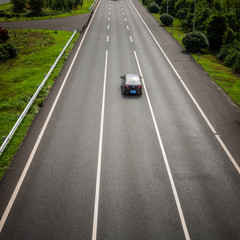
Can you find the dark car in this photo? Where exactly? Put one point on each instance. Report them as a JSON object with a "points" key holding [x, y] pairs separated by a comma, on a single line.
{"points": [[131, 84]]}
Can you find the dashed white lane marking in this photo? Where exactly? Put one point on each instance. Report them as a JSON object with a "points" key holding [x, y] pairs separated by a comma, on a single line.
{"points": [[96, 205], [123, 13], [191, 96], [108, 27], [108, 18], [131, 39], [127, 27], [164, 157], [107, 38], [125, 19]]}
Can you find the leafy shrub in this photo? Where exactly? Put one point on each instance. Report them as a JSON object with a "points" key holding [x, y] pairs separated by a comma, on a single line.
{"points": [[216, 26], [232, 58], [2, 13], [202, 17], [182, 13], [225, 51], [146, 2], [158, 2], [187, 23], [163, 7], [3, 35], [12, 51], [195, 41], [7, 15], [236, 66], [229, 37], [153, 7], [166, 19], [18, 5], [3, 53]]}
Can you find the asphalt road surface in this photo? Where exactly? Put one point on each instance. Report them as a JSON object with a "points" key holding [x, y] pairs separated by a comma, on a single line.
{"points": [[101, 165]]}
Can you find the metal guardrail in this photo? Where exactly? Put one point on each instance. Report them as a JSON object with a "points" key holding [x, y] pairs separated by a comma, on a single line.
{"points": [[8, 138], [92, 5]]}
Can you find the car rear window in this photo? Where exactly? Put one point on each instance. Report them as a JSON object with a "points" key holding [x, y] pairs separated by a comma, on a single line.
{"points": [[132, 80]]}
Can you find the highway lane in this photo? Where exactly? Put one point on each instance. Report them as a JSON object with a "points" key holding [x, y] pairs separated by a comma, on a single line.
{"points": [[136, 200]]}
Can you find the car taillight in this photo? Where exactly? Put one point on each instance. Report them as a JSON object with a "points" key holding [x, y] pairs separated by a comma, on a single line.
{"points": [[126, 86], [140, 86]]}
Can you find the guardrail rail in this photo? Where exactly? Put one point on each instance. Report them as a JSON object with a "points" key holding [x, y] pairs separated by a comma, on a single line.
{"points": [[21, 117]]}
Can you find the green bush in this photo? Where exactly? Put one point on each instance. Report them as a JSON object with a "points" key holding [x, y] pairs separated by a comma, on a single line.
{"points": [[146, 2], [215, 29], [232, 58], [182, 13], [195, 41], [229, 37], [163, 7], [236, 66], [2, 13], [12, 51], [187, 23], [153, 7], [166, 19], [225, 51]]}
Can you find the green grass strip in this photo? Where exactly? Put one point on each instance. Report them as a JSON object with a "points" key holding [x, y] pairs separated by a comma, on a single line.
{"points": [[37, 51], [7, 7]]}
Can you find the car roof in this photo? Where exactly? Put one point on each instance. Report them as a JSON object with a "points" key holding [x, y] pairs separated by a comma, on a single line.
{"points": [[132, 77]]}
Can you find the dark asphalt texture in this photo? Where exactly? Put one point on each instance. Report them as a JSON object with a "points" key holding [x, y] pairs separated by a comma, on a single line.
{"points": [[136, 200], [64, 24]]}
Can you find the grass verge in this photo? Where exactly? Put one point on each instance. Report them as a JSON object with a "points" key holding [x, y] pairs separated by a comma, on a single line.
{"points": [[47, 13], [37, 51]]}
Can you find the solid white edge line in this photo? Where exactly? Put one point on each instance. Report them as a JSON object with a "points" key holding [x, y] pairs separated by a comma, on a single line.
{"points": [[191, 96], [184, 226], [30, 159], [96, 205]]}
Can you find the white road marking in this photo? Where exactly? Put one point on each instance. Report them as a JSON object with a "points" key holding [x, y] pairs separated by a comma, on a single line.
{"points": [[109, 13], [164, 157], [108, 18], [107, 38], [131, 39], [123, 13], [193, 99], [125, 19], [127, 27], [108, 27], [30, 159], [96, 205]]}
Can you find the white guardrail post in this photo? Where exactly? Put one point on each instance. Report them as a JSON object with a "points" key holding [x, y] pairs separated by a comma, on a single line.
{"points": [[31, 100]]}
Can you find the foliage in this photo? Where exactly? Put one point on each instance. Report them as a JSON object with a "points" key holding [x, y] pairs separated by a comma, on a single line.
{"points": [[158, 2], [3, 35], [202, 17], [229, 37], [153, 7], [195, 41], [36, 5], [163, 7], [216, 26], [166, 19], [19, 5], [187, 23], [182, 13]]}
